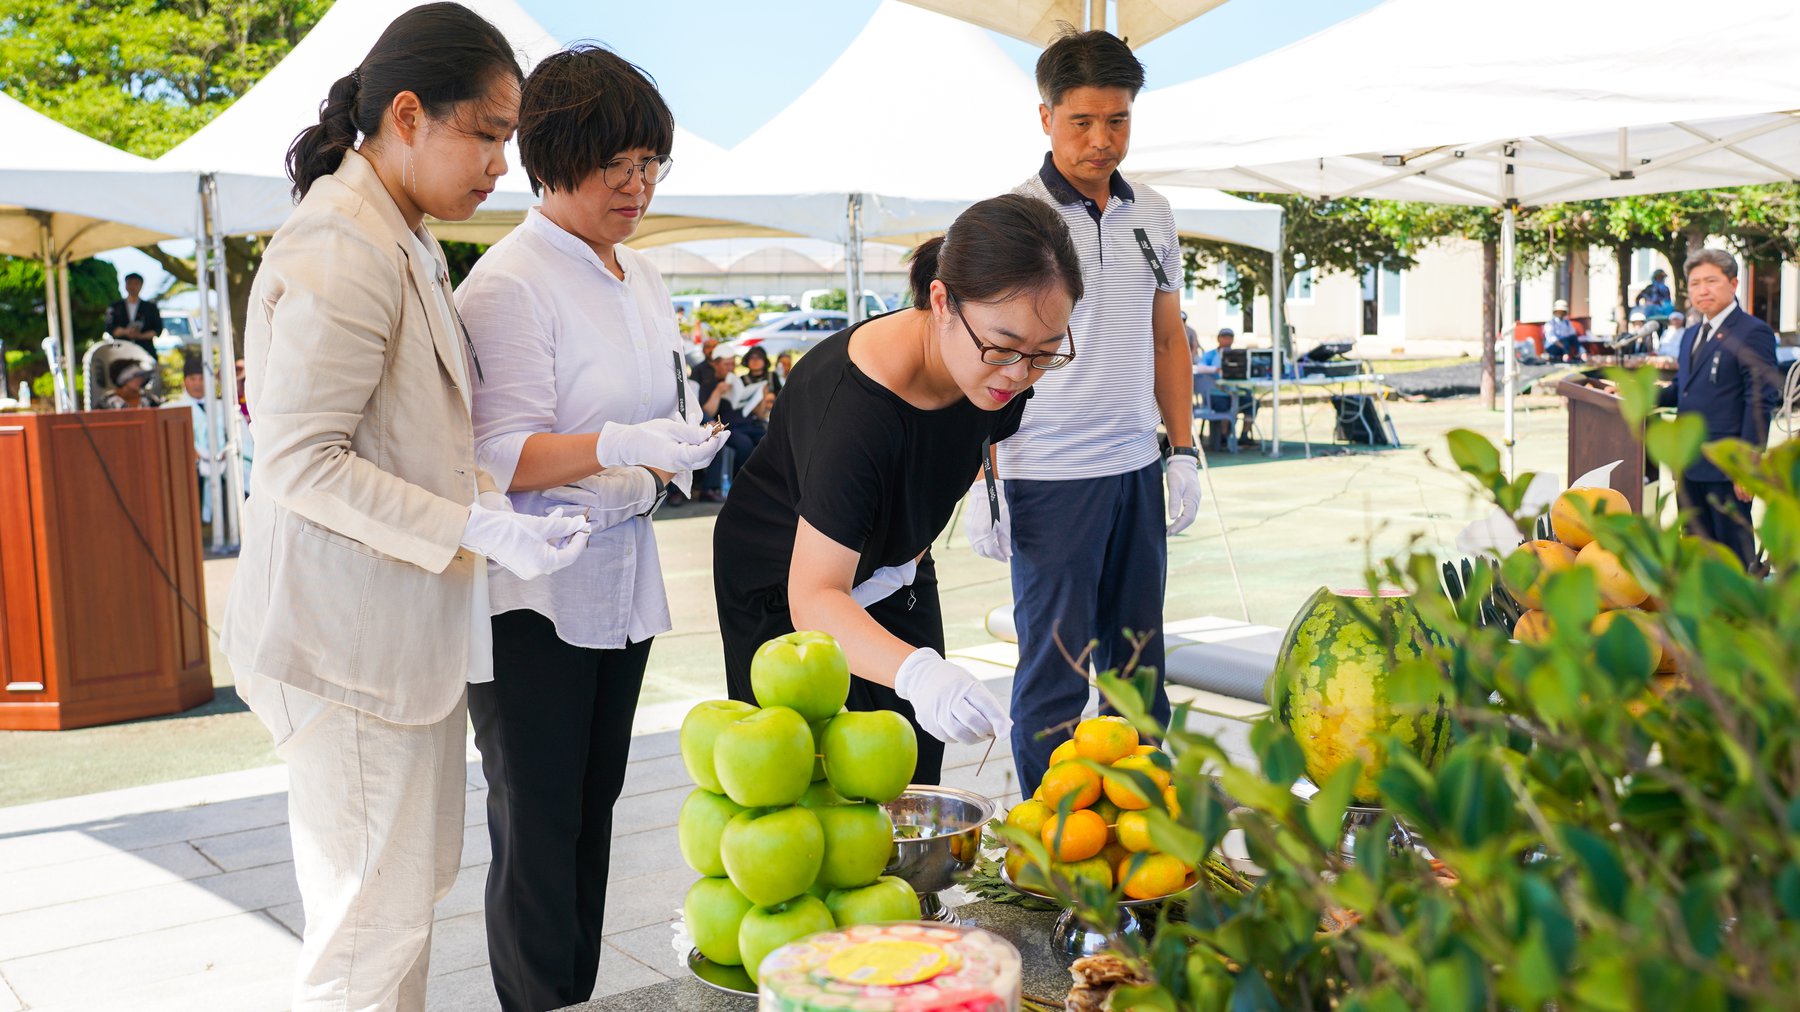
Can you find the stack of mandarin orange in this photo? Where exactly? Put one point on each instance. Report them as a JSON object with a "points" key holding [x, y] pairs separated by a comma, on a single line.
{"points": [[1105, 828]]}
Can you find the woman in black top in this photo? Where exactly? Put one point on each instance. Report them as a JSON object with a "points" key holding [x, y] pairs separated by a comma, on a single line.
{"points": [[872, 444]]}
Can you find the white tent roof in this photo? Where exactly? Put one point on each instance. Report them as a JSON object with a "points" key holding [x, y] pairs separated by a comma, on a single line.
{"points": [[979, 137], [1401, 102], [94, 196], [247, 144]]}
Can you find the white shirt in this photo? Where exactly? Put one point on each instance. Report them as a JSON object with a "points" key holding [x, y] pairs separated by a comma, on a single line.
{"points": [[1098, 416], [567, 347], [481, 627]]}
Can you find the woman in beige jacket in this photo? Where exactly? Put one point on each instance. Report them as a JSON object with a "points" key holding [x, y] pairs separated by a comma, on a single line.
{"points": [[358, 612]]}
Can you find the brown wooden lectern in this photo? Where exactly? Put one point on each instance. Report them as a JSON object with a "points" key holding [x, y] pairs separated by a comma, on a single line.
{"points": [[1598, 436], [100, 620]]}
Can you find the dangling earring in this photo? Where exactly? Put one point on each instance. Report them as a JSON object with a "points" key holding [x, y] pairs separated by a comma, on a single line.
{"points": [[412, 179]]}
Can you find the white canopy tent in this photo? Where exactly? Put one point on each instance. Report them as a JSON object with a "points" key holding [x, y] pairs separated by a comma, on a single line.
{"points": [[1037, 21], [65, 196], [903, 186], [1397, 103]]}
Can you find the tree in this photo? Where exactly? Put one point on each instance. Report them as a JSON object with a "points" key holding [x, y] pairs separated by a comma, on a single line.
{"points": [[142, 75], [93, 285], [1327, 236]]}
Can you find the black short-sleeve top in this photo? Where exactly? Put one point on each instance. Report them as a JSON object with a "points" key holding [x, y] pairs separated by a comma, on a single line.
{"points": [[865, 468]]}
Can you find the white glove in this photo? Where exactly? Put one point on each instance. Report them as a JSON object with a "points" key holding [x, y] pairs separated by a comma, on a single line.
{"points": [[949, 703], [882, 583], [990, 540], [1184, 492], [662, 443], [609, 498], [527, 546]]}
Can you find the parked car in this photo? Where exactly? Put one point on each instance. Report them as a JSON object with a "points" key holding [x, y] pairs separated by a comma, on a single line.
{"points": [[790, 332], [689, 303], [873, 304]]}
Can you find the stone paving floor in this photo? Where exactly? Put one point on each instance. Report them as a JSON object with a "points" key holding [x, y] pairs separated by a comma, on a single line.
{"points": [[182, 896]]}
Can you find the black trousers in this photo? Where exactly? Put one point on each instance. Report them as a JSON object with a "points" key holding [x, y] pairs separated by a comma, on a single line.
{"points": [[748, 620], [554, 730], [1720, 516]]}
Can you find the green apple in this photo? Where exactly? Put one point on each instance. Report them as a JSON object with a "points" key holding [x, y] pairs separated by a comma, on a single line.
{"points": [[870, 754], [804, 671], [700, 729], [713, 911], [889, 898], [820, 795], [765, 760], [859, 839], [702, 821], [772, 855], [817, 727], [766, 929]]}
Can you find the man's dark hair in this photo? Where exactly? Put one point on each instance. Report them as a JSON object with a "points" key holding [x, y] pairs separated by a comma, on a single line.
{"points": [[580, 108], [134, 276], [1717, 257], [1094, 59]]}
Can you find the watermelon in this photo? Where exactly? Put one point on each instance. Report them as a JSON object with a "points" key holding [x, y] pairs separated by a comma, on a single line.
{"points": [[1329, 686]]}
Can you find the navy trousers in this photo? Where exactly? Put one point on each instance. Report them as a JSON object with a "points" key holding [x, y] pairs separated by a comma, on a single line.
{"points": [[1719, 515], [1090, 561]]}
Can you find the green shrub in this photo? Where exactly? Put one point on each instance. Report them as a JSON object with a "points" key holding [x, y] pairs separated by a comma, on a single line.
{"points": [[1611, 847]]}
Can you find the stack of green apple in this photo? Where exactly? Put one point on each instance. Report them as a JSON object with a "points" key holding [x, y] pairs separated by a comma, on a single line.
{"points": [[786, 823]]}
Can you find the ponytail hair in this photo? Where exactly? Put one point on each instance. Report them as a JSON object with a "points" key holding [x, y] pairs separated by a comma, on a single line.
{"points": [[998, 248], [444, 53]]}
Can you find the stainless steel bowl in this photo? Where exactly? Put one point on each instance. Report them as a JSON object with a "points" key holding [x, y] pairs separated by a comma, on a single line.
{"points": [[937, 836]]}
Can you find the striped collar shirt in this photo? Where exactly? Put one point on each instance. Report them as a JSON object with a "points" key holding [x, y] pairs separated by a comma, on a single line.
{"points": [[1098, 416]]}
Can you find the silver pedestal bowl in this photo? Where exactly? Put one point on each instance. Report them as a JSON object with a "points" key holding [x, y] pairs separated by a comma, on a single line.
{"points": [[937, 836]]}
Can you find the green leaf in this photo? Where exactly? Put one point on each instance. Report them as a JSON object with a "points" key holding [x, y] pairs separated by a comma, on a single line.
{"points": [[1277, 751], [1700, 914], [1473, 795], [1252, 993], [1473, 453], [1172, 837], [1787, 890], [1637, 393], [1325, 810], [1675, 442], [1601, 863], [1455, 984]]}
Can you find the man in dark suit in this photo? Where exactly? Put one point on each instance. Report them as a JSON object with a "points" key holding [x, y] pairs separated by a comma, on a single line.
{"points": [[1728, 376], [133, 318]]}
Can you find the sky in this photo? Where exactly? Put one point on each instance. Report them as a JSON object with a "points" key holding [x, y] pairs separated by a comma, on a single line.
{"points": [[728, 66]]}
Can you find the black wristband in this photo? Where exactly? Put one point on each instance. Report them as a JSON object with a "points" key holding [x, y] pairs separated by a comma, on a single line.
{"points": [[1184, 451]]}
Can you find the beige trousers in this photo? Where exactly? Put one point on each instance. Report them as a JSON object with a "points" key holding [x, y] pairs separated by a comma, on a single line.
{"points": [[376, 813]]}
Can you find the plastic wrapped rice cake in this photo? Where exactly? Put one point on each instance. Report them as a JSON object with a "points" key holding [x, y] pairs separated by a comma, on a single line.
{"points": [[906, 967]]}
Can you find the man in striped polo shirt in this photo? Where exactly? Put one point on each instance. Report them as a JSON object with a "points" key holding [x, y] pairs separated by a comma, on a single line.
{"points": [[1082, 481]]}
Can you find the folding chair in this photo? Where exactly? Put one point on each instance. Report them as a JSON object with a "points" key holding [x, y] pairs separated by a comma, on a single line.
{"points": [[1205, 385]]}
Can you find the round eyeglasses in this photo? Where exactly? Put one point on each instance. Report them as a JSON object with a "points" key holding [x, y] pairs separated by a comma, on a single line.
{"points": [[617, 174], [996, 355]]}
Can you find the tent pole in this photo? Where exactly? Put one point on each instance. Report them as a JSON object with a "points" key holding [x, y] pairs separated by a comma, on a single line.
{"points": [[1509, 281], [68, 319], [1277, 324], [234, 469], [214, 407], [53, 324], [853, 265]]}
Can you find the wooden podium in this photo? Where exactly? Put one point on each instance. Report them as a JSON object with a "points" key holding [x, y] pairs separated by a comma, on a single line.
{"points": [[1598, 436], [100, 617]]}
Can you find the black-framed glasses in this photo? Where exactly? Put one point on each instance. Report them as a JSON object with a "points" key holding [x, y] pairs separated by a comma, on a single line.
{"points": [[993, 354], [617, 174]]}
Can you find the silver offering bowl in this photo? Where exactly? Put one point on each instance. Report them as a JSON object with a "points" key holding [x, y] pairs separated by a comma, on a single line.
{"points": [[937, 836], [1073, 938]]}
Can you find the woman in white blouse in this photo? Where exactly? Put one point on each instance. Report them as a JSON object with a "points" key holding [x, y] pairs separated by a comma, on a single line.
{"points": [[579, 339]]}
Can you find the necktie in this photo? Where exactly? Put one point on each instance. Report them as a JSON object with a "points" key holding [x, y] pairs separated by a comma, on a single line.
{"points": [[1700, 341]]}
